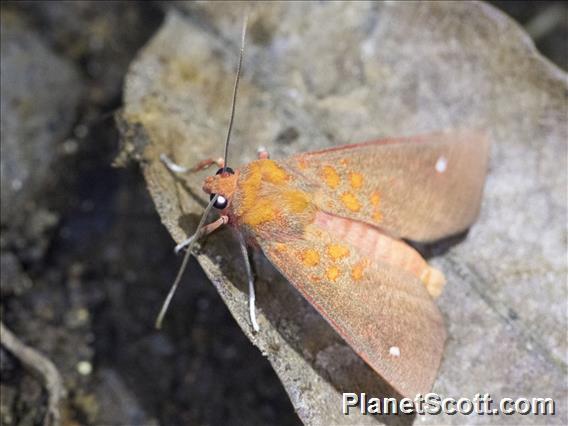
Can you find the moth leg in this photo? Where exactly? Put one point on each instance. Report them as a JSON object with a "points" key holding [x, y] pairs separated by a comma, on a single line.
{"points": [[262, 153], [202, 165], [252, 296], [206, 230]]}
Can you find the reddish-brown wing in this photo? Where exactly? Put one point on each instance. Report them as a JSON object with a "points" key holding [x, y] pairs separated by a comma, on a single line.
{"points": [[384, 313], [326, 219], [421, 188]]}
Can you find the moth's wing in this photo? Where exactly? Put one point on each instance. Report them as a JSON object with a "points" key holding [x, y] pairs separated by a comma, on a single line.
{"points": [[421, 188], [384, 313]]}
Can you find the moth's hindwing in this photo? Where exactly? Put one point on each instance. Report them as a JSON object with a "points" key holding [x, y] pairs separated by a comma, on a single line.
{"points": [[383, 312]]}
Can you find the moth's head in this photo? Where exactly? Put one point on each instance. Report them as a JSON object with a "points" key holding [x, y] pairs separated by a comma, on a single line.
{"points": [[222, 184]]}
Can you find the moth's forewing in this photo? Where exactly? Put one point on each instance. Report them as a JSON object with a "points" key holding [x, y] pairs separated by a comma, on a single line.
{"points": [[421, 188]]}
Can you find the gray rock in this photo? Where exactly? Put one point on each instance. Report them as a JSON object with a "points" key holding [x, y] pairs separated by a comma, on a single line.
{"points": [[344, 72], [14, 281], [119, 405], [38, 98]]}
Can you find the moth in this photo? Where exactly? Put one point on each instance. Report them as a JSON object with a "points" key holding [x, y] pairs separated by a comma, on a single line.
{"points": [[335, 223]]}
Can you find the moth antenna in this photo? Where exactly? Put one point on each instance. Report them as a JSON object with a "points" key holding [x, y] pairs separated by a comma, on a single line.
{"points": [[183, 266], [235, 90]]}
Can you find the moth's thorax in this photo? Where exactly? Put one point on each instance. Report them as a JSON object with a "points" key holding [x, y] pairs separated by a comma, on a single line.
{"points": [[269, 197]]}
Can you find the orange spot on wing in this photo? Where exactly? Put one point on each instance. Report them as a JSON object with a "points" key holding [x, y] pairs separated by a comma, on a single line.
{"points": [[280, 247], [332, 273], [356, 180], [337, 251], [295, 201], [375, 198], [357, 271], [272, 172], [263, 211], [350, 201], [310, 257], [377, 216], [331, 177], [249, 187], [344, 161]]}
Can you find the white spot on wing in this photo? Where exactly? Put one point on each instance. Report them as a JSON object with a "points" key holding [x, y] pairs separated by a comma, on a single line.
{"points": [[394, 351], [441, 164]]}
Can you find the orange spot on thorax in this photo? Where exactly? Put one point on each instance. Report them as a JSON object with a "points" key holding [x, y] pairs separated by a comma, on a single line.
{"points": [[267, 194]]}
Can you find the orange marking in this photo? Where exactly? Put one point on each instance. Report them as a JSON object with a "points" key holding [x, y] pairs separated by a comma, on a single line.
{"points": [[356, 180], [350, 201], [302, 163], [337, 251], [272, 172], [256, 210], [263, 211], [375, 198], [295, 201], [310, 257], [315, 278], [332, 273], [331, 177], [357, 271], [344, 161], [250, 186], [253, 210], [280, 247], [377, 216]]}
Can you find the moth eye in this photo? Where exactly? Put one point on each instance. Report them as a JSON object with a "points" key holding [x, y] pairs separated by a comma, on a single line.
{"points": [[220, 203], [227, 170]]}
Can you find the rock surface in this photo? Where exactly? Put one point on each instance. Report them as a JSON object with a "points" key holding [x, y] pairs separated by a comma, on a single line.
{"points": [[375, 70], [39, 96]]}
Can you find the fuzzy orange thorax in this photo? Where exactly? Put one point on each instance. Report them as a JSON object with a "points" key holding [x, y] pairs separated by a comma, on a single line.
{"points": [[267, 194], [223, 184]]}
